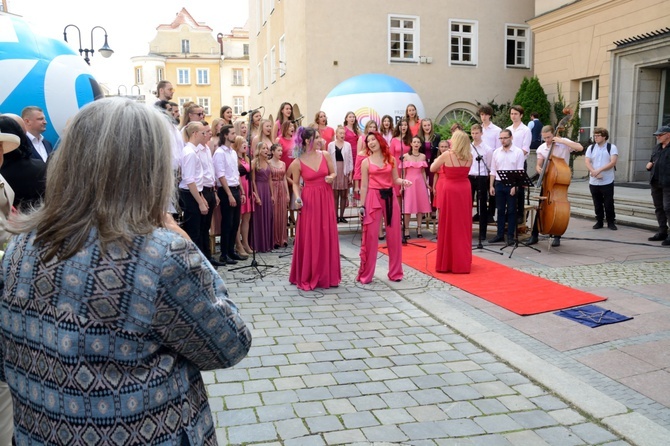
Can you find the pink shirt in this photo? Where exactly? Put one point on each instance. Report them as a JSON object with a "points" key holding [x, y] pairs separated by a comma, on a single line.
{"points": [[379, 177]]}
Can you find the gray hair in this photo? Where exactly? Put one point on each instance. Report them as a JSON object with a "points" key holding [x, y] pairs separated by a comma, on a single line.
{"points": [[112, 173]]}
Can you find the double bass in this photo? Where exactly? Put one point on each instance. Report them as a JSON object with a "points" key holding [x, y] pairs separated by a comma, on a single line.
{"points": [[553, 212]]}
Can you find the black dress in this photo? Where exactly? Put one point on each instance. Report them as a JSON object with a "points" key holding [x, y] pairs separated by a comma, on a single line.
{"points": [[26, 176]]}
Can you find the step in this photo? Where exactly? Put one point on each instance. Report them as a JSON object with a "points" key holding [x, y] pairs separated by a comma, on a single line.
{"points": [[621, 219]]}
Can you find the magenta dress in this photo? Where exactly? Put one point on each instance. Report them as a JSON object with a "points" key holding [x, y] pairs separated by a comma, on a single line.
{"points": [[352, 138], [248, 205], [280, 229], [439, 187], [263, 214], [398, 148], [316, 252], [454, 231], [416, 197]]}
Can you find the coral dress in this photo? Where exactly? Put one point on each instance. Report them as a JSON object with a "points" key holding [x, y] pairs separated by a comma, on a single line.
{"points": [[416, 197], [280, 220], [263, 214], [439, 186], [248, 205], [316, 252], [454, 236]]}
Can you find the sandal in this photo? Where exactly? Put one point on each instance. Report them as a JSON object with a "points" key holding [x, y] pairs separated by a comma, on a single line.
{"points": [[419, 234]]}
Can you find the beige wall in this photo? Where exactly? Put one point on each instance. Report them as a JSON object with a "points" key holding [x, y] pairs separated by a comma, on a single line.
{"points": [[355, 35], [169, 41], [576, 42]]}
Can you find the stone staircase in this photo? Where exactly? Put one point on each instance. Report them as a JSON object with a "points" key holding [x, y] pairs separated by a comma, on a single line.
{"points": [[630, 211]]}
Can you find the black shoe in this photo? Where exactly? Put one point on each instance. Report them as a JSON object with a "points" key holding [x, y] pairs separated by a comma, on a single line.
{"points": [[343, 220], [556, 242], [598, 225], [216, 263], [475, 218], [497, 239], [666, 242], [612, 226], [510, 242], [236, 256], [659, 236], [227, 260], [532, 240]]}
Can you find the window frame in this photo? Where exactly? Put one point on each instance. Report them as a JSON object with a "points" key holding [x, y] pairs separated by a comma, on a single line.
{"points": [[160, 74], [527, 43], [416, 38], [273, 65], [591, 105], [282, 55], [234, 77], [183, 101], [238, 108], [474, 42], [205, 102], [197, 76], [266, 67], [188, 76], [139, 76], [185, 44]]}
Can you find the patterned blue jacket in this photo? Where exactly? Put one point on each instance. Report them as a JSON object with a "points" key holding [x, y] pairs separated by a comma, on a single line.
{"points": [[106, 347]]}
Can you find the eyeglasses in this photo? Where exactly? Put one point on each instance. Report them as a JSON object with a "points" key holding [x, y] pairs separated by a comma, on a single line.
{"points": [[197, 114], [504, 137], [597, 134]]}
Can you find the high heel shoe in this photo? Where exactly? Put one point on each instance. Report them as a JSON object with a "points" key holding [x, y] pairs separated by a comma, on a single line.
{"points": [[419, 234], [407, 233]]}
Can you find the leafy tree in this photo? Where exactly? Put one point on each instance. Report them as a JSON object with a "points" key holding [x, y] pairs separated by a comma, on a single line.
{"points": [[532, 98]]}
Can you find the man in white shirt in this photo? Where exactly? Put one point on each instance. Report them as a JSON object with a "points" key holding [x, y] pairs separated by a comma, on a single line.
{"points": [[561, 148], [600, 160], [522, 138], [164, 90], [36, 124], [191, 200], [508, 157], [228, 175], [491, 137], [208, 192], [479, 176]]}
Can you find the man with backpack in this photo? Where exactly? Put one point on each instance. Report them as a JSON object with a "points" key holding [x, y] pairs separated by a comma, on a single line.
{"points": [[600, 160]]}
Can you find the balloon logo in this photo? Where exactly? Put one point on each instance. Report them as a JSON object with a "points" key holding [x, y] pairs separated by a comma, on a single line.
{"points": [[42, 71]]}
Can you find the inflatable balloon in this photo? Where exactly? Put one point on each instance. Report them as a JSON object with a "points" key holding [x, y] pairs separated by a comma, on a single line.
{"points": [[371, 96], [42, 71]]}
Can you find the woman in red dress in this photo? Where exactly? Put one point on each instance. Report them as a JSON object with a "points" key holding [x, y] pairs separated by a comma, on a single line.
{"points": [[351, 132], [316, 252], [454, 236], [412, 118], [378, 176], [285, 113], [321, 122]]}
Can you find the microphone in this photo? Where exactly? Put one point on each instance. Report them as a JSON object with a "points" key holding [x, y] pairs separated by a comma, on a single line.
{"points": [[298, 119], [244, 113]]}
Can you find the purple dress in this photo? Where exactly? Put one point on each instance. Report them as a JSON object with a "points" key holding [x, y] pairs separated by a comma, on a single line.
{"points": [[262, 217]]}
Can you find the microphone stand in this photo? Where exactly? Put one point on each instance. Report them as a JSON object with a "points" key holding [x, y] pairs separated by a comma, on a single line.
{"points": [[402, 201], [483, 219]]}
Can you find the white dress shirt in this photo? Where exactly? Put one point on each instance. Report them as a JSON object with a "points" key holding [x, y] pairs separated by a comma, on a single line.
{"points": [[511, 159], [479, 168], [491, 135], [205, 157], [191, 168], [521, 138], [225, 165], [38, 143]]}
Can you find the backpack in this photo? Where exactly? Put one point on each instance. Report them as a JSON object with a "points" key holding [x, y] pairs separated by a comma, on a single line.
{"points": [[609, 148]]}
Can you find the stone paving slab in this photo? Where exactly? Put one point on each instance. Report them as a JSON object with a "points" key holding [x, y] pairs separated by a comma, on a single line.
{"points": [[365, 365]]}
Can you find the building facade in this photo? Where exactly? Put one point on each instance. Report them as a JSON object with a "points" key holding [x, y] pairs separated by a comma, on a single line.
{"points": [[198, 64], [453, 53], [614, 57], [235, 70]]}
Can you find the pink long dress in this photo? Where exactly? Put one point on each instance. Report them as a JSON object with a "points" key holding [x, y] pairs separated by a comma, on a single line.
{"points": [[316, 252], [416, 197]]}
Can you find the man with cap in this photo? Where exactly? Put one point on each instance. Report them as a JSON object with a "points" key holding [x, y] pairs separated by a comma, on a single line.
{"points": [[8, 142], [659, 168]]}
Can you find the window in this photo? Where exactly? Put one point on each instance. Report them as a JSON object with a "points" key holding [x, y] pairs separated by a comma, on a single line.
{"points": [[588, 108], [160, 74], [185, 46], [238, 105], [273, 65], [238, 76], [457, 115], [259, 78], [183, 76], [245, 49], [266, 75], [403, 38], [462, 42], [204, 103], [138, 75], [282, 56], [183, 101], [202, 76], [517, 46]]}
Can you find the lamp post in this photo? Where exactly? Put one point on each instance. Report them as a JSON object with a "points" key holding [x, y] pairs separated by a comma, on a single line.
{"points": [[219, 38], [105, 51]]}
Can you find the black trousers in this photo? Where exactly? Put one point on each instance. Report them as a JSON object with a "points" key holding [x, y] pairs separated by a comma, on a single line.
{"points": [[206, 221], [520, 196], [480, 190], [230, 219], [603, 202], [661, 198], [192, 223]]}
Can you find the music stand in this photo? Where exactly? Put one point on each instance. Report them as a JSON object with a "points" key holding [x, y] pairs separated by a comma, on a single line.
{"points": [[516, 178]]}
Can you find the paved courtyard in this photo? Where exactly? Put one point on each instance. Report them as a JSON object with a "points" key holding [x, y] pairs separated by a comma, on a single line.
{"points": [[422, 363]]}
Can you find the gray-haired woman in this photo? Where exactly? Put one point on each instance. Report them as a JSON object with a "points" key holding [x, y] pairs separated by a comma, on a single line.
{"points": [[109, 313]]}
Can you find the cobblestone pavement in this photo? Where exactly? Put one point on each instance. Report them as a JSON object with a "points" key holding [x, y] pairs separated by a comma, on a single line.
{"points": [[385, 363]]}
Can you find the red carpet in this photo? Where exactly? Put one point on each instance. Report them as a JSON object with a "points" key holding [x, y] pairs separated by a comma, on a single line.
{"points": [[516, 291]]}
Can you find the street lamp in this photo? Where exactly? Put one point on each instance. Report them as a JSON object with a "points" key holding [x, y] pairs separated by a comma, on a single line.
{"points": [[219, 38], [105, 51]]}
